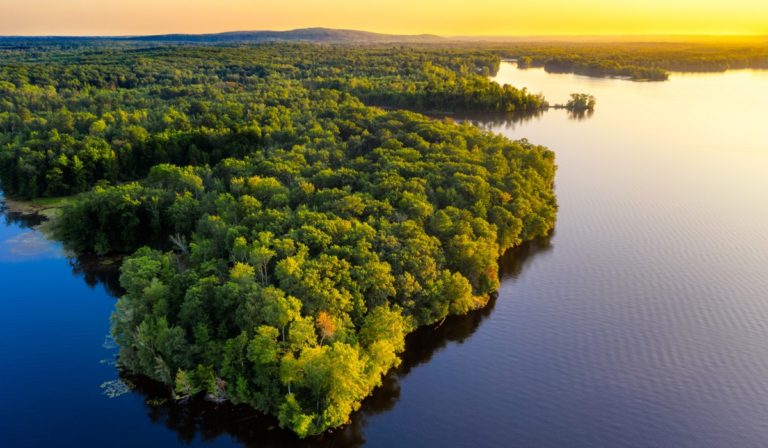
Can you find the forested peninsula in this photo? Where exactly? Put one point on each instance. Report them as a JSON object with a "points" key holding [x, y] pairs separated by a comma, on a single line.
{"points": [[284, 234]]}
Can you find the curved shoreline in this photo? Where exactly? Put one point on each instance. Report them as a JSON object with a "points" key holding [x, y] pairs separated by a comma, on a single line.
{"points": [[39, 213]]}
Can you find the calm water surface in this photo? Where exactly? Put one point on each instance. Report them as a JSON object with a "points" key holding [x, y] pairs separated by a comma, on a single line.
{"points": [[642, 322]]}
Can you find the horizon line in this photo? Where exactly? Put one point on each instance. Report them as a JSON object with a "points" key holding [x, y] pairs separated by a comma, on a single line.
{"points": [[452, 36]]}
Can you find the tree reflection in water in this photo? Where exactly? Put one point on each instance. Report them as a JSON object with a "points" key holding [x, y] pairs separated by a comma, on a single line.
{"points": [[494, 120], [99, 271], [580, 115]]}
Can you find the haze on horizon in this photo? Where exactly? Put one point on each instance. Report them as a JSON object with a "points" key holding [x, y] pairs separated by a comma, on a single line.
{"points": [[446, 17]]}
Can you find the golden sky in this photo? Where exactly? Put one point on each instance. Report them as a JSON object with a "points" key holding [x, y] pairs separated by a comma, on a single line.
{"points": [[444, 17]]}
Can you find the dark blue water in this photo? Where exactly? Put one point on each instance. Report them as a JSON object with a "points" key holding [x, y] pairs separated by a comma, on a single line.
{"points": [[642, 322], [56, 359]]}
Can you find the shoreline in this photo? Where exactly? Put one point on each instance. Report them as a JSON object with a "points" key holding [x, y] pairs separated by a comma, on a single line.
{"points": [[41, 212]]}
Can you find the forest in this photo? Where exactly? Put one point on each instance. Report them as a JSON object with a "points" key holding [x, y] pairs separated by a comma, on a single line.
{"points": [[284, 234], [70, 119], [642, 61]]}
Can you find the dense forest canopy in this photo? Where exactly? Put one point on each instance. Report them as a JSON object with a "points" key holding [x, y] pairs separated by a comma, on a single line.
{"points": [[645, 59], [72, 118], [292, 234]]}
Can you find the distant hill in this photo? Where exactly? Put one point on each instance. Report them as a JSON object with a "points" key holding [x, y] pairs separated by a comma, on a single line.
{"points": [[319, 35], [301, 35], [330, 35]]}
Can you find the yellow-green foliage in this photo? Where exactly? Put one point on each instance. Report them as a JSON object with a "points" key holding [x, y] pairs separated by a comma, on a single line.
{"points": [[309, 232]]}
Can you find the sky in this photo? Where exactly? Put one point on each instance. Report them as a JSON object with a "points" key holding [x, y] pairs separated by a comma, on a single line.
{"points": [[443, 17]]}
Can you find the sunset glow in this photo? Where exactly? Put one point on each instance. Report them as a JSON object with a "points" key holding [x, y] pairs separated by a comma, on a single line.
{"points": [[444, 17]]}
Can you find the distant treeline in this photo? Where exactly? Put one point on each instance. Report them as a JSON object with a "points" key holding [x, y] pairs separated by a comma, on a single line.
{"points": [[639, 61]]}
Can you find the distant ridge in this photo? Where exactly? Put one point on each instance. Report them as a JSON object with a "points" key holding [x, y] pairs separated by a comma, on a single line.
{"points": [[341, 36], [328, 35]]}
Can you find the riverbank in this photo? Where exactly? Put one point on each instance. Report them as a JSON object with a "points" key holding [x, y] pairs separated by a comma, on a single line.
{"points": [[42, 212]]}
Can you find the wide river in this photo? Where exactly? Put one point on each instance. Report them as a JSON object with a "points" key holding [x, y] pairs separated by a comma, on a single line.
{"points": [[642, 322]]}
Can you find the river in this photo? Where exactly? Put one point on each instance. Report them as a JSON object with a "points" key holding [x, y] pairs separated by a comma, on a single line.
{"points": [[641, 322]]}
